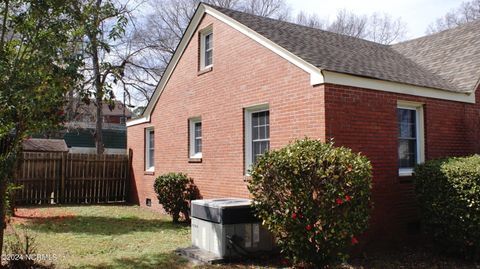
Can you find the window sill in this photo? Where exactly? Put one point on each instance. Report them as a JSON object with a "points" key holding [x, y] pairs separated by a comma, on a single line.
{"points": [[405, 172], [194, 160], [150, 171], [205, 70]]}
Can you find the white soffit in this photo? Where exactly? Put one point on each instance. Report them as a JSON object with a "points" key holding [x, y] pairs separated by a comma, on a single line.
{"points": [[395, 87]]}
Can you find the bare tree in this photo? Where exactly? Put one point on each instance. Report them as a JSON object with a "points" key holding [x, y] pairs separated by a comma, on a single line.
{"points": [[154, 40], [310, 20], [224, 3], [378, 27], [467, 12], [382, 28], [348, 23], [277, 9], [103, 26]]}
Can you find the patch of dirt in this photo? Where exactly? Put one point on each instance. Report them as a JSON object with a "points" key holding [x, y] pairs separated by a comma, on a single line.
{"points": [[40, 215]]}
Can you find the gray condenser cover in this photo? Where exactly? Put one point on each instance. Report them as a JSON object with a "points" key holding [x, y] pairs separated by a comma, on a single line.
{"points": [[224, 211], [227, 228]]}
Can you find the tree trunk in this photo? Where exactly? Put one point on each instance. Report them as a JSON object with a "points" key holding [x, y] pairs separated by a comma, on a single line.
{"points": [[3, 192], [6, 171], [99, 94], [99, 127], [4, 28]]}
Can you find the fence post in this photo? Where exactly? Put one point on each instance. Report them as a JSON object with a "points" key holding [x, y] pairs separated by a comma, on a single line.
{"points": [[106, 181], [128, 180], [62, 177]]}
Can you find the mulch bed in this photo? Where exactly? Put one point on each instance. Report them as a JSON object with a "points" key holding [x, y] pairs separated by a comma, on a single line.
{"points": [[40, 215]]}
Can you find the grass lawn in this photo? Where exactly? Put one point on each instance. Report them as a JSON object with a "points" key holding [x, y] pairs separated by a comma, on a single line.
{"points": [[104, 236], [113, 236]]}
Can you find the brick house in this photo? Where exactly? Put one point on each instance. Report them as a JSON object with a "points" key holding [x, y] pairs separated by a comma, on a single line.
{"points": [[240, 84]]}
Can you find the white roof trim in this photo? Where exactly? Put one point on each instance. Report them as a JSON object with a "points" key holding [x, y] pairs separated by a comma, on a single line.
{"points": [[171, 66], [138, 121], [395, 87], [316, 76]]}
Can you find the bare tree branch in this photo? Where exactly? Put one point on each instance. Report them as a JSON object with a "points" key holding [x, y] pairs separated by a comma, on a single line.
{"points": [[380, 28], [468, 11], [347, 23], [310, 20]]}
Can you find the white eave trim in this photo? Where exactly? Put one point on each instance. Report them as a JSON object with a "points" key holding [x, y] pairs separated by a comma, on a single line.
{"points": [[192, 27], [138, 121], [395, 87], [316, 76]]}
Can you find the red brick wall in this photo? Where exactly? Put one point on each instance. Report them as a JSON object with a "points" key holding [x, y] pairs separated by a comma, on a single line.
{"points": [[366, 121], [244, 74]]}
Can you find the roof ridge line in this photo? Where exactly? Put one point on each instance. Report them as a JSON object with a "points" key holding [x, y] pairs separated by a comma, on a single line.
{"points": [[456, 28], [295, 24]]}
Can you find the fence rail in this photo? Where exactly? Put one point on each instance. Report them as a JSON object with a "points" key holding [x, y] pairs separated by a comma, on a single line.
{"points": [[46, 178]]}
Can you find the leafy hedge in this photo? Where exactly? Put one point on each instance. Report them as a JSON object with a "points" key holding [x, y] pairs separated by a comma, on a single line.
{"points": [[175, 191], [448, 191], [314, 198]]}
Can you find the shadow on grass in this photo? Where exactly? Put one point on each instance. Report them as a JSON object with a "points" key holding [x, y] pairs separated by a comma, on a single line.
{"points": [[161, 260], [98, 225]]}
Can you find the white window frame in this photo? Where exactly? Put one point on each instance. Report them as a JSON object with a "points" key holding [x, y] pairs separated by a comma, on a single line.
{"points": [[192, 141], [420, 134], [203, 33], [148, 166], [248, 132]]}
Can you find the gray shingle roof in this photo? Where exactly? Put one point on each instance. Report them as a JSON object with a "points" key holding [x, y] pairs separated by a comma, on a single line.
{"points": [[345, 54], [453, 54], [44, 145]]}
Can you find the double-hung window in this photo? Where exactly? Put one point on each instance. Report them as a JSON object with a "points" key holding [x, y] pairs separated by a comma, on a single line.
{"points": [[195, 138], [410, 137], [206, 48], [257, 134], [149, 150]]}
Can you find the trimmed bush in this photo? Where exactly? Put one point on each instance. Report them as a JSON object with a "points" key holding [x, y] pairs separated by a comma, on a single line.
{"points": [[314, 198], [174, 192], [448, 192]]}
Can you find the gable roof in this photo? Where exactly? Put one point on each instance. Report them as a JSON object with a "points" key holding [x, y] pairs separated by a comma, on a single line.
{"points": [[107, 110], [328, 58], [44, 145], [453, 54], [355, 56]]}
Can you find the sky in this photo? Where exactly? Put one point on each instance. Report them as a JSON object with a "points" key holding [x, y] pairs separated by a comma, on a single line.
{"points": [[417, 14]]}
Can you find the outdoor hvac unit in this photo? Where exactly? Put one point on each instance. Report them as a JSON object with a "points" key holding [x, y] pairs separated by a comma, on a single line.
{"points": [[227, 228]]}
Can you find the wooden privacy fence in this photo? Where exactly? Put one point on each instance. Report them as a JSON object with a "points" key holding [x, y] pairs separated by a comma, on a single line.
{"points": [[46, 178]]}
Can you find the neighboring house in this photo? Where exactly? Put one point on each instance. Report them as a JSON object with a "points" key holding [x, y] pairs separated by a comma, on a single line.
{"points": [[240, 84], [44, 145], [80, 130]]}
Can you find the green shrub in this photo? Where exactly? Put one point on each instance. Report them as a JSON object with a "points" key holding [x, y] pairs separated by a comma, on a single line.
{"points": [[174, 192], [314, 198], [448, 192], [23, 250]]}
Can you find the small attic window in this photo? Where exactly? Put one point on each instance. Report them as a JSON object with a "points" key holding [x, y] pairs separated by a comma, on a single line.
{"points": [[206, 48]]}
